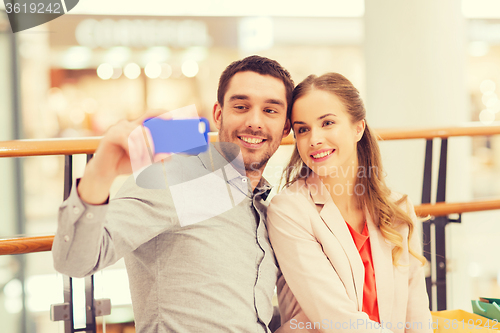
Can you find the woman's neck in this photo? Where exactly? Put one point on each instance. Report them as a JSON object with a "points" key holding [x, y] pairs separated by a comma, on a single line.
{"points": [[341, 186]]}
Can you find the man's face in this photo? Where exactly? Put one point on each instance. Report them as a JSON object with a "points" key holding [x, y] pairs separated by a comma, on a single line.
{"points": [[253, 117]]}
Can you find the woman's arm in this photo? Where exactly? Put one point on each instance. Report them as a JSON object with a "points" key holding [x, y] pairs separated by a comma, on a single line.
{"points": [[308, 271]]}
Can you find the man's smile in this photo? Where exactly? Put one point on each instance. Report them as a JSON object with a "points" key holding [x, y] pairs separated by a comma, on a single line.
{"points": [[252, 141]]}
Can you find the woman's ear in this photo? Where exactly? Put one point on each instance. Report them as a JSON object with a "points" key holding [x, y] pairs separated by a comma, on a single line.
{"points": [[360, 129]]}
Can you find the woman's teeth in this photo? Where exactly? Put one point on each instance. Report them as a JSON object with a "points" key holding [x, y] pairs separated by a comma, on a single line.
{"points": [[251, 140], [323, 154]]}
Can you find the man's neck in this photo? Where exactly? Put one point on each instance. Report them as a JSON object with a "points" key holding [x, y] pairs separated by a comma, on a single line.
{"points": [[255, 177]]}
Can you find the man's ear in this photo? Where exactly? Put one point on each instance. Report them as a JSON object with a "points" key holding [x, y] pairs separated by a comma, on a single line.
{"points": [[217, 115], [287, 128], [360, 129]]}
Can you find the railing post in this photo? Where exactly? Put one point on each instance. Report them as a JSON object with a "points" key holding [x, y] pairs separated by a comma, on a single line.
{"points": [[440, 229], [65, 311], [89, 295], [439, 226], [67, 280], [426, 226], [68, 300], [439, 223]]}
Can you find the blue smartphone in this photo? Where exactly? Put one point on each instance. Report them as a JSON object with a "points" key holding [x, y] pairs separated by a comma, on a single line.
{"points": [[186, 136]]}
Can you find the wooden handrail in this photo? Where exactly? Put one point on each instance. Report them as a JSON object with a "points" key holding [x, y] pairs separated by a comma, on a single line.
{"points": [[19, 148], [38, 244], [442, 132], [443, 208], [63, 146], [25, 245]]}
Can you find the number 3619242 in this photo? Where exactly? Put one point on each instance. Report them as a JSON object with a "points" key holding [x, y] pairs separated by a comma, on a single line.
{"points": [[33, 7]]}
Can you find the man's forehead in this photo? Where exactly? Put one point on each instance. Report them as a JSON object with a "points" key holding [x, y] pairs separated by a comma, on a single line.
{"points": [[250, 83]]}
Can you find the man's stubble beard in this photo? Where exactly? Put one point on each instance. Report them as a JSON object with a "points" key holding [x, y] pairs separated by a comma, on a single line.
{"points": [[253, 167]]}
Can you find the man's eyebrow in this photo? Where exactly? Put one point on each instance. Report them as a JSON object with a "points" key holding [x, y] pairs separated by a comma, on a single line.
{"points": [[276, 101], [326, 115], [238, 97]]}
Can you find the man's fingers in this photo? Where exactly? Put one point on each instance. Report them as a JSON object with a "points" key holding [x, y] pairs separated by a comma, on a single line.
{"points": [[139, 152], [148, 138]]}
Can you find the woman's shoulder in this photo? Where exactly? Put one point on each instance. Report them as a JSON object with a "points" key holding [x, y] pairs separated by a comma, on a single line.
{"points": [[404, 203], [291, 206], [296, 191], [402, 200], [294, 197]]}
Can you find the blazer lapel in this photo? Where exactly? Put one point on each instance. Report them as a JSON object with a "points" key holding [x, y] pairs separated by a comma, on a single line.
{"points": [[334, 220], [383, 267]]}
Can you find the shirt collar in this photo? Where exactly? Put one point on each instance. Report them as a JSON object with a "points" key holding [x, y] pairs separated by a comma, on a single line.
{"points": [[213, 160], [263, 189]]}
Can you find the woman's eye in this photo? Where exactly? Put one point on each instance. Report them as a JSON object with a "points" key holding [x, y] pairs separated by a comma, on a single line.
{"points": [[328, 123], [301, 130]]}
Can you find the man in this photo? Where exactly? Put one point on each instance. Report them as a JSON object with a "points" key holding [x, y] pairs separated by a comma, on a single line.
{"points": [[217, 275]]}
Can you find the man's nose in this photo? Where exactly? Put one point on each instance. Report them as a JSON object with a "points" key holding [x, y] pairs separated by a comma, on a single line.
{"points": [[255, 119]]}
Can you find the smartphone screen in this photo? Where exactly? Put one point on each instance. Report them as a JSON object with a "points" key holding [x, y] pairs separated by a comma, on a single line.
{"points": [[186, 136]]}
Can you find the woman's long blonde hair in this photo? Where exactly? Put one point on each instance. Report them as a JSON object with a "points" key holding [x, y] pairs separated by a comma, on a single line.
{"points": [[376, 196]]}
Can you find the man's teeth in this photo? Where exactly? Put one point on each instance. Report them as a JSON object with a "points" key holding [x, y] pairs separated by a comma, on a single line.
{"points": [[323, 154], [251, 140]]}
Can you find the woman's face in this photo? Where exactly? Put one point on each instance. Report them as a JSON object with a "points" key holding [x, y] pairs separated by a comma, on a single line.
{"points": [[326, 138]]}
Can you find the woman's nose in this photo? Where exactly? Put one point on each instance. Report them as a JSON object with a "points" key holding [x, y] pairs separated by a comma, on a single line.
{"points": [[315, 138]]}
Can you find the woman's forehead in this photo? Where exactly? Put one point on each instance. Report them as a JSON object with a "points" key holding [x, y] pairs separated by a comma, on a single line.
{"points": [[317, 103]]}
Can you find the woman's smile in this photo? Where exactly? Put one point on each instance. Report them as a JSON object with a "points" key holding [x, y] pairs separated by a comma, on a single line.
{"points": [[321, 155]]}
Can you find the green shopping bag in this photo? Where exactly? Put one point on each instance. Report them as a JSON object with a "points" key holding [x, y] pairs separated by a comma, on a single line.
{"points": [[487, 307]]}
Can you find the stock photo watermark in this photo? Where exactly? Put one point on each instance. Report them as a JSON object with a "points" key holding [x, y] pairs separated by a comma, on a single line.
{"points": [[359, 324], [26, 14]]}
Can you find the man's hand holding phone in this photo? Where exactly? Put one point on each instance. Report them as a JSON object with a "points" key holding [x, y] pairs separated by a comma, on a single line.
{"points": [[131, 146]]}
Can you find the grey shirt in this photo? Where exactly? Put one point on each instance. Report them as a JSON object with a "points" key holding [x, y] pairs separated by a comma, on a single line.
{"points": [[214, 274]]}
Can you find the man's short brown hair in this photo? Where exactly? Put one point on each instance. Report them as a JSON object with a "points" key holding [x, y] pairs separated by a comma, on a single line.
{"points": [[259, 65]]}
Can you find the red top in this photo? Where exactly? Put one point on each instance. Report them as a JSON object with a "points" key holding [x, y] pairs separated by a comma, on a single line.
{"points": [[362, 241]]}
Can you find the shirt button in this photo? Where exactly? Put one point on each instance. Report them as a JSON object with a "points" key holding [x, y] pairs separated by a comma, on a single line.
{"points": [[90, 215], [66, 238], [76, 210], [244, 180]]}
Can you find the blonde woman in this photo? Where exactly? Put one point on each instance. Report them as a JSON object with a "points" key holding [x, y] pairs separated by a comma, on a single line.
{"points": [[346, 245]]}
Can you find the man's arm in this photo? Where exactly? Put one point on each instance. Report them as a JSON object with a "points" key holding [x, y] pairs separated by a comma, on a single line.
{"points": [[89, 237], [124, 149]]}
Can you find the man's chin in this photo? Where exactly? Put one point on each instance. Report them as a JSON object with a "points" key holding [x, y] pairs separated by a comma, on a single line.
{"points": [[255, 164]]}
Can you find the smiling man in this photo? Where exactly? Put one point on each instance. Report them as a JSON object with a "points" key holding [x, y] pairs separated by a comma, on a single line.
{"points": [[217, 275], [253, 100]]}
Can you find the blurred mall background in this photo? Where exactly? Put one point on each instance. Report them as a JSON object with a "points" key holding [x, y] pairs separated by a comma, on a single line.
{"points": [[418, 64]]}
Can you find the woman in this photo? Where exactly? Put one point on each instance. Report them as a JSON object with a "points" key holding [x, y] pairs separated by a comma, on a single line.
{"points": [[345, 243]]}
